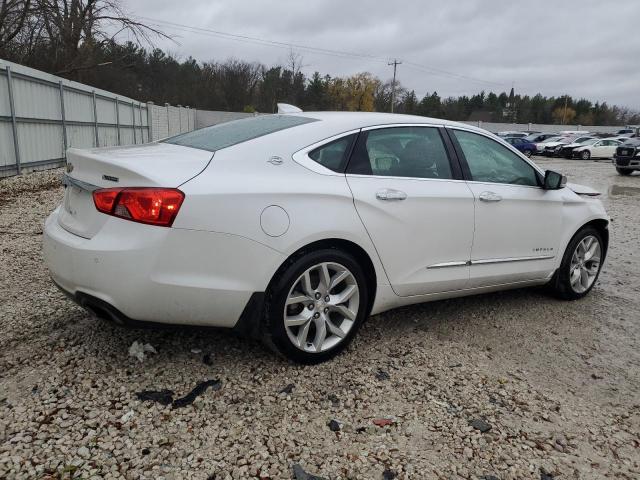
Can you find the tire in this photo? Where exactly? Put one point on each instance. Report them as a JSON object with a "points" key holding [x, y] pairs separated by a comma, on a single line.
{"points": [[624, 172], [528, 153], [585, 155], [561, 283], [314, 307]]}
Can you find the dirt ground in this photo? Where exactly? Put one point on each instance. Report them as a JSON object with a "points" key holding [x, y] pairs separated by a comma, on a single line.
{"points": [[557, 383]]}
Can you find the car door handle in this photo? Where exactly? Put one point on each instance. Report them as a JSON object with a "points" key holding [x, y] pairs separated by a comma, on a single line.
{"points": [[390, 194], [490, 197]]}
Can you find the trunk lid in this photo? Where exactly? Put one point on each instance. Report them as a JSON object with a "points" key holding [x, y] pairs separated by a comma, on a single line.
{"points": [[149, 165]]}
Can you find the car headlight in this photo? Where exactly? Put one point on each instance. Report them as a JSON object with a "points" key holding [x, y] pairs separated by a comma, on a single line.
{"points": [[638, 153], [558, 148]]}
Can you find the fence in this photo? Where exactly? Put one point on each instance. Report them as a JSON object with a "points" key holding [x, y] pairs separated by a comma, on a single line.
{"points": [[42, 115], [503, 127]]}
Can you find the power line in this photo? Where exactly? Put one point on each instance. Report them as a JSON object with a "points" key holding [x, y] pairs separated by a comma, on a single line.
{"points": [[308, 48]]}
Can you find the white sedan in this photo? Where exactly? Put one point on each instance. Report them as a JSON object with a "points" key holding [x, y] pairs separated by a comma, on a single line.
{"points": [[603, 148], [295, 228]]}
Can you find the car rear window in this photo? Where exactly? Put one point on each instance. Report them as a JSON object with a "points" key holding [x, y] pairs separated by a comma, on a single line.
{"points": [[227, 134]]}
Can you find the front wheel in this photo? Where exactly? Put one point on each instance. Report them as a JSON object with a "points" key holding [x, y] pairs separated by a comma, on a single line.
{"points": [[315, 305], [580, 265], [528, 153], [623, 171], [585, 155]]}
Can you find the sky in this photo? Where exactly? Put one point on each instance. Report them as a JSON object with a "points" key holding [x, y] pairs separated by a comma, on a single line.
{"points": [[584, 48]]}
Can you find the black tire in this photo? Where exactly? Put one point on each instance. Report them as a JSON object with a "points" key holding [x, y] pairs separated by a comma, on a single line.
{"points": [[624, 172], [274, 330], [528, 153], [585, 155], [560, 284]]}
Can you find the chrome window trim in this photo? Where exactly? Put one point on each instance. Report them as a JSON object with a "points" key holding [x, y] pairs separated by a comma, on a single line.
{"points": [[301, 157]]}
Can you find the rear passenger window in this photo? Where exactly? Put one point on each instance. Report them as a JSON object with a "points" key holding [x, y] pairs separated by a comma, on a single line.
{"points": [[416, 152], [333, 155]]}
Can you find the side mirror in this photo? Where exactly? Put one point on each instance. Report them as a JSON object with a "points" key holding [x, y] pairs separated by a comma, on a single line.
{"points": [[554, 180]]}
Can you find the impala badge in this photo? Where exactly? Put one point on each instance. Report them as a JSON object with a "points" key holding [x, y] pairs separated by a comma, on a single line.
{"points": [[275, 160]]}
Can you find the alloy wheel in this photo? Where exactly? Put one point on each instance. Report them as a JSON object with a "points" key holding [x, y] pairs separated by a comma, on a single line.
{"points": [[585, 264], [321, 307]]}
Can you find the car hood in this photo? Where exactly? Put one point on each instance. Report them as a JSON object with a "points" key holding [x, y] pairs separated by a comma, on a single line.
{"points": [[582, 189]]}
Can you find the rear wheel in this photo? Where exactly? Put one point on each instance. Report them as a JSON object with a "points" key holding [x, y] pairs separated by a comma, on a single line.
{"points": [[580, 265], [623, 171], [528, 153], [585, 155], [315, 306]]}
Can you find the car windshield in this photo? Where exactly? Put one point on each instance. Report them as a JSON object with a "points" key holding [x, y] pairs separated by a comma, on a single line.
{"points": [[591, 141], [552, 139], [227, 134], [584, 140]]}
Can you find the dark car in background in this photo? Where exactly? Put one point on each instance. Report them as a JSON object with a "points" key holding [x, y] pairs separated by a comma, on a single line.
{"points": [[627, 157], [538, 137], [526, 147]]}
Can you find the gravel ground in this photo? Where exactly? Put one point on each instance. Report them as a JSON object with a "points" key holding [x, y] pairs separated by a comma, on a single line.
{"points": [[557, 383]]}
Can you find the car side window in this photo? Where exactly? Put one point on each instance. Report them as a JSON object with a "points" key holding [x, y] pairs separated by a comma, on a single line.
{"points": [[416, 152], [491, 162], [333, 155]]}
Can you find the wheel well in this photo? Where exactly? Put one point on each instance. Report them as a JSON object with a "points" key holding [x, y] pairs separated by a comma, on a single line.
{"points": [[602, 226], [346, 246]]}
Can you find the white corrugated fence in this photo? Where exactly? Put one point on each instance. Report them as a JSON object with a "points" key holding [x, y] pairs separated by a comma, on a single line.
{"points": [[41, 115]]}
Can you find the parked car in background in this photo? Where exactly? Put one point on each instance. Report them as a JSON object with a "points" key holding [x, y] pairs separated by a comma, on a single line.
{"points": [[526, 147], [566, 151], [540, 146], [538, 137], [553, 149], [625, 131], [597, 148], [306, 224], [627, 157], [512, 134]]}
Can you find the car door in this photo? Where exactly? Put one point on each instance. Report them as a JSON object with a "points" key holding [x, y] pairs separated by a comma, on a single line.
{"points": [[608, 148], [415, 206], [517, 223], [598, 149]]}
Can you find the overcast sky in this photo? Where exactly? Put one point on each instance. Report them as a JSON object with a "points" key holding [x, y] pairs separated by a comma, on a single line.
{"points": [[586, 48]]}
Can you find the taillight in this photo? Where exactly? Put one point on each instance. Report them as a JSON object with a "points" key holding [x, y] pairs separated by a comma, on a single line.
{"points": [[154, 206]]}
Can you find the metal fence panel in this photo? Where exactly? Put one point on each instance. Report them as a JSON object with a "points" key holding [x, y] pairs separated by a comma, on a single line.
{"points": [[78, 107], [40, 142], [51, 114], [7, 152]]}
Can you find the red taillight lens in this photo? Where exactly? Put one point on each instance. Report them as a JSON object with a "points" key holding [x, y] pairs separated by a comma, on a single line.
{"points": [[155, 206], [105, 199]]}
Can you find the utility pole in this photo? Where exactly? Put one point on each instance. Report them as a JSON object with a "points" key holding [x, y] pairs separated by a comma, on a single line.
{"points": [[564, 112], [395, 64]]}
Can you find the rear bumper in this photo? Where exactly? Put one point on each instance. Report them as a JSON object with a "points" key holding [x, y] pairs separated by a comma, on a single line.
{"points": [[156, 274]]}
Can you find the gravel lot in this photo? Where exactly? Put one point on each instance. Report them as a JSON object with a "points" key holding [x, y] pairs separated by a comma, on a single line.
{"points": [[557, 382]]}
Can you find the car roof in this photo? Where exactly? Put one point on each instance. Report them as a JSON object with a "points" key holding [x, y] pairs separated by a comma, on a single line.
{"points": [[356, 120]]}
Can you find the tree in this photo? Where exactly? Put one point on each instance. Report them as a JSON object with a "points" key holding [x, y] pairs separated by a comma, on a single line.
{"points": [[13, 14], [69, 33], [563, 115]]}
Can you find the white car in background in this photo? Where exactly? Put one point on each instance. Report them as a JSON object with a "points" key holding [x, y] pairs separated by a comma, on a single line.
{"points": [[295, 228], [597, 148], [540, 146]]}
